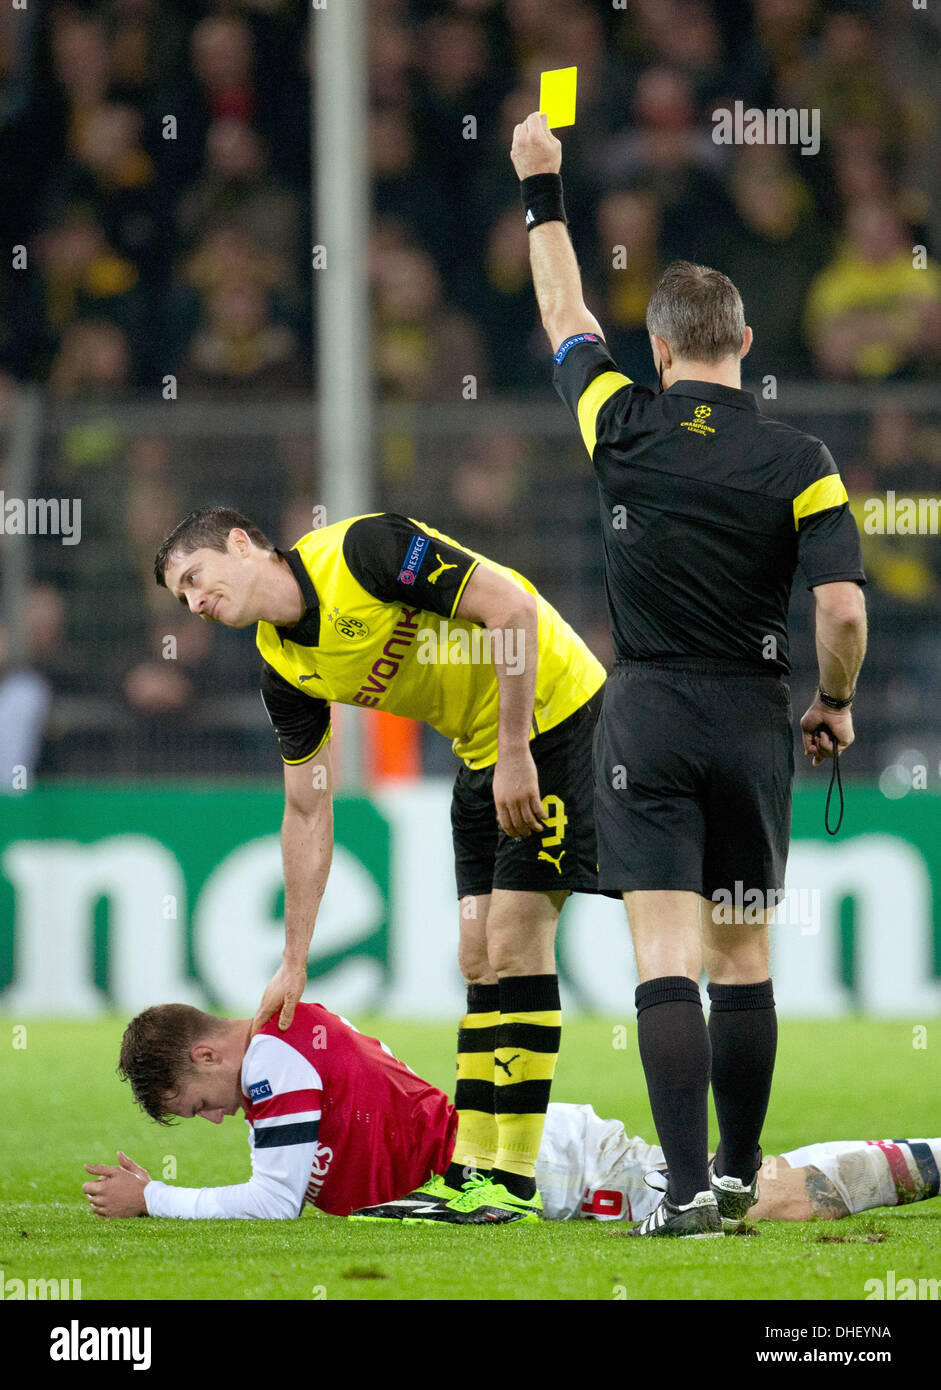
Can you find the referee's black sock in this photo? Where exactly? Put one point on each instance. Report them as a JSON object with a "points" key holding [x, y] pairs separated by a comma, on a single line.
{"points": [[675, 1052], [743, 1030]]}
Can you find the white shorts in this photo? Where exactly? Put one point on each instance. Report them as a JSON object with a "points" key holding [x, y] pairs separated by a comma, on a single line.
{"points": [[588, 1167]]}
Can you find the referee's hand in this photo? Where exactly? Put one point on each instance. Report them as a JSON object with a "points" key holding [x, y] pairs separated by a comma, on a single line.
{"points": [[535, 149], [817, 744], [516, 794]]}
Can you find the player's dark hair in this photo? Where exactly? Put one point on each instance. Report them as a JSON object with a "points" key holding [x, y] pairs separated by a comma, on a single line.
{"points": [[155, 1053], [698, 311], [206, 527]]}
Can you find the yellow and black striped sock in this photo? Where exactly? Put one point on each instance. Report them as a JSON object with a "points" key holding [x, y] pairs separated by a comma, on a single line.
{"points": [[524, 1057], [476, 1143]]}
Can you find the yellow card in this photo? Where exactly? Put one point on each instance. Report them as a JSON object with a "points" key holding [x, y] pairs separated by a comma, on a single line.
{"points": [[557, 96]]}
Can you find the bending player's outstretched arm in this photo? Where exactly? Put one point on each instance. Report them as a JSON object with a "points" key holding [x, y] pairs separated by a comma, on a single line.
{"points": [[302, 724], [307, 852], [537, 158], [511, 616]]}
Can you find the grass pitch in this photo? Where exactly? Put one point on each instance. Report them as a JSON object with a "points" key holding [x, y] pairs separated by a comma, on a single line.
{"points": [[64, 1106]]}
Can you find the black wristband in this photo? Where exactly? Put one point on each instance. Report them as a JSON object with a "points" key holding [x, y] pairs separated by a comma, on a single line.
{"points": [[832, 702], [542, 199]]}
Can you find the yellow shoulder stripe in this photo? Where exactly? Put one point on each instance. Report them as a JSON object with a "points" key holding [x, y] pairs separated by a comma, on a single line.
{"points": [[824, 493], [592, 399]]}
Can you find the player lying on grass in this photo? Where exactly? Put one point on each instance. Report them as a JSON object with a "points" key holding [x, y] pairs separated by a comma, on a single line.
{"points": [[336, 1120]]}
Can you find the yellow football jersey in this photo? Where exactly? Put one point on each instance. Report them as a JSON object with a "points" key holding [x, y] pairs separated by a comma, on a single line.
{"points": [[379, 631]]}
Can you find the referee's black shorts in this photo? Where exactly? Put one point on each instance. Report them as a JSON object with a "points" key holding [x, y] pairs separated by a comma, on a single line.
{"points": [[564, 855], [693, 761]]}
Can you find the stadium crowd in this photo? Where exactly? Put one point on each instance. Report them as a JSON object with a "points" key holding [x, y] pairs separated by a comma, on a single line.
{"points": [[155, 166]]}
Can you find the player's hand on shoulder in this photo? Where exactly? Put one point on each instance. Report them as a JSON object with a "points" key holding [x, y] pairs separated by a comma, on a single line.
{"points": [[118, 1190], [535, 149], [817, 744], [516, 794], [282, 993]]}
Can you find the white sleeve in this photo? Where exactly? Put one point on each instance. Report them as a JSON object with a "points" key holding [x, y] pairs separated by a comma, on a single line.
{"points": [[286, 1091], [259, 1197]]}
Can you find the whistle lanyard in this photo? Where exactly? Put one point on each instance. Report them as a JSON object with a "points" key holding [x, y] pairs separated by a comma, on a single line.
{"points": [[835, 776]]}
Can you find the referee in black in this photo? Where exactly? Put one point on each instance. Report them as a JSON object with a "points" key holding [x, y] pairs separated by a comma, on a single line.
{"points": [[707, 508]]}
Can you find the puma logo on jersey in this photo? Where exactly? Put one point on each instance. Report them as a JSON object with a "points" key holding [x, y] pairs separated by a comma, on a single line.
{"points": [[505, 1065], [312, 677], [557, 862], [442, 566]]}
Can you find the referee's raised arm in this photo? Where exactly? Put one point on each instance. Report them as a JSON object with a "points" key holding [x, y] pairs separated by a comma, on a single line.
{"points": [[537, 159], [708, 508]]}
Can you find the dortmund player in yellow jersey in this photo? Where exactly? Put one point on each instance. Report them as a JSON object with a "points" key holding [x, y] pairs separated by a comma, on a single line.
{"points": [[385, 612]]}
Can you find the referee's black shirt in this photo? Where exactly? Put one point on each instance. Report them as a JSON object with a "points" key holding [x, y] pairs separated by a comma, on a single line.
{"points": [[707, 508]]}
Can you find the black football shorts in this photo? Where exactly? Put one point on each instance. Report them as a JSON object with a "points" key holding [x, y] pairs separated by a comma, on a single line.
{"points": [[693, 766], [563, 856]]}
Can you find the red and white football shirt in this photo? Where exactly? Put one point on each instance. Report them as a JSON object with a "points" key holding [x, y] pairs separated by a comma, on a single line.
{"points": [[335, 1120]]}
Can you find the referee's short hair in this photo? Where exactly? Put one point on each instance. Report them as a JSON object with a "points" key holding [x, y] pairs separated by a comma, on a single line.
{"points": [[698, 311], [207, 527]]}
